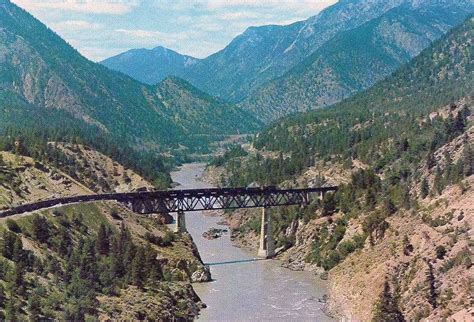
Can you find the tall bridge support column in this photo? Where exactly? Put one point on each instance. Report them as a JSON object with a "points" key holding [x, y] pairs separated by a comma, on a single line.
{"points": [[267, 246], [180, 222]]}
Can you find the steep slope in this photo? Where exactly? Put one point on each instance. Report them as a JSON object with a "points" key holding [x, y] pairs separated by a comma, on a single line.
{"points": [[264, 53], [352, 61], [42, 73], [150, 66], [394, 240], [205, 115], [70, 170], [89, 260]]}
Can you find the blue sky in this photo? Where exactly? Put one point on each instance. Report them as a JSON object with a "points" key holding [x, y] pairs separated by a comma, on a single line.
{"points": [[102, 28]]}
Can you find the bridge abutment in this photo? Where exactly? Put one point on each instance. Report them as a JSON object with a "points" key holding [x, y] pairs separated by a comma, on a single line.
{"points": [[267, 246], [180, 222]]}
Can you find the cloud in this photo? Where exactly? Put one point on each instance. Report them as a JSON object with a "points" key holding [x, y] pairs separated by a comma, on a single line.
{"points": [[307, 5], [154, 34], [110, 7], [75, 25], [243, 15], [276, 5]]}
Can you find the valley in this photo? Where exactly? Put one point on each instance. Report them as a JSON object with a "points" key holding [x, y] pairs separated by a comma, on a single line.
{"points": [[333, 157]]}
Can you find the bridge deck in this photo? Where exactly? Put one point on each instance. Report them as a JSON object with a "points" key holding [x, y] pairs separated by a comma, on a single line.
{"points": [[186, 200]]}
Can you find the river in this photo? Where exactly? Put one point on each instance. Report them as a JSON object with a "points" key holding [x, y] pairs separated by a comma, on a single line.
{"points": [[247, 290]]}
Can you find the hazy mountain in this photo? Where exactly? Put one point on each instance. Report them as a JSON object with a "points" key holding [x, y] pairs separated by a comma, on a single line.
{"points": [[264, 53], [150, 66], [354, 60], [43, 79]]}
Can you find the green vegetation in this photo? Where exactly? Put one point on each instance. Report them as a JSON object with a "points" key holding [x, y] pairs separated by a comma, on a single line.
{"points": [[386, 309], [332, 73], [34, 142], [68, 91], [328, 251], [80, 265], [391, 129]]}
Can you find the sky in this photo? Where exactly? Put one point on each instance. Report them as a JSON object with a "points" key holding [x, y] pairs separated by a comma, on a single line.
{"points": [[102, 28]]}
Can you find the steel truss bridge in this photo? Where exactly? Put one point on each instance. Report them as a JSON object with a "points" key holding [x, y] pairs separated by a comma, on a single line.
{"points": [[179, 201]]}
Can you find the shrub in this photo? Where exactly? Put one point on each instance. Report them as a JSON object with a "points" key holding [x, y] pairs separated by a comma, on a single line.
{"points": [[13, 226], [168, 238], [440, 252]]}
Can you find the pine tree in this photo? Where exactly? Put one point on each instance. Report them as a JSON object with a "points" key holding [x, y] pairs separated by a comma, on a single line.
{"points": [[406, 198], [136, 268], [438, 184], [17, 250], [40, 229], [432, 293], [389, 207], [8, 244], [11, 309], [468, 160], [386, 309], [370, 199], [103, 242], [448, 169], [34, 307], [88, 263], [430, 160], [65, 242], [425, 188], [3, 297]]}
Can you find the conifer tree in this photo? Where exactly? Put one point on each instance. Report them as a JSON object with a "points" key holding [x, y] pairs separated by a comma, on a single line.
{"points": [[136, 268], [438, 184], [8, 243], [17, 250], [468, 160], [389, 207], [425, 188], [102, 242], [3, 297], [386, 309], [34, 307], [40, 229], [406, 198], [432, 293], [370, 199]]}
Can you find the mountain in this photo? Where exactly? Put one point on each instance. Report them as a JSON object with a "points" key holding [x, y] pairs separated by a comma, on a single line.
{"points": [[264, 53], [354, 60], [46, 83], [150, 66], [203, 114], [394, 240]]}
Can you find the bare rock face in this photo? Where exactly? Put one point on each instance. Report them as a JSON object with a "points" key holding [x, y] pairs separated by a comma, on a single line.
{"points": [[214, 233], [163, 219], [202, 275]]}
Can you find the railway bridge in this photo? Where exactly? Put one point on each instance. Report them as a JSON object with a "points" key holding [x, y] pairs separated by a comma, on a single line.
{"points": [[182, 201]]}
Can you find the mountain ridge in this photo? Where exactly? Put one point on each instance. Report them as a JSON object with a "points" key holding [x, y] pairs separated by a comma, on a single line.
{"points": [[332, 73], [263, 53], [40, 72]]}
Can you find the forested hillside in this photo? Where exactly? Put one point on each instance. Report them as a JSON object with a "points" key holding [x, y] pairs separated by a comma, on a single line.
{"points": [[44, 82], [265, 53], [354, 60], [402, 153], [87, 261], [360, 127]]}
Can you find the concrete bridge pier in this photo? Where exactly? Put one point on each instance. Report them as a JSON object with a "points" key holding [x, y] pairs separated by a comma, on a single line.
{"points": [[180, 222], [267, 246]]}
